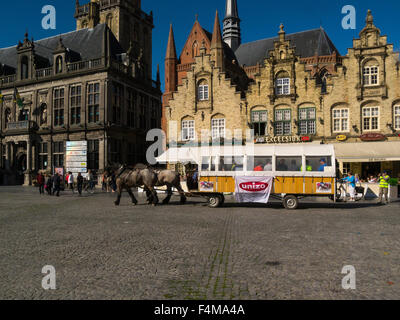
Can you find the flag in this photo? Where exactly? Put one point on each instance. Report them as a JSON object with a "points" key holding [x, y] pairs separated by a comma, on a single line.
{"points": [[1, 98], [17, 98]]}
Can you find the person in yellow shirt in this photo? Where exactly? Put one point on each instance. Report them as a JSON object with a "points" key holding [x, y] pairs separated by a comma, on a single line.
{"points": [[383, 180]]}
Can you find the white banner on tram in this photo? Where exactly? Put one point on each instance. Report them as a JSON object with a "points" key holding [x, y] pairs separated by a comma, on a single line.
{"points": [[253, 189]]}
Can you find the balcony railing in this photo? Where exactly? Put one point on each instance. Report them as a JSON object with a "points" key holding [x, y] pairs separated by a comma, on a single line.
{"points": [[21, 125], [42, 73], [84, 65], [8, 79]]}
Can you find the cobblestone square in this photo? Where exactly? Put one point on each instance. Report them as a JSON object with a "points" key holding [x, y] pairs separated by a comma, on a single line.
{"points": [[256, 252]]}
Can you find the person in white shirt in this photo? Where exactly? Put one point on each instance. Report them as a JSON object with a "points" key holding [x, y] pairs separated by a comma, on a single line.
{"points": [[71, 181]]}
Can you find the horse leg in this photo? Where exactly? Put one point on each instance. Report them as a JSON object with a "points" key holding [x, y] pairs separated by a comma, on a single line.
{"points": [[169, 195], [149, 195], [182, 193], [134, 201], [154, 196], [118, 201]]}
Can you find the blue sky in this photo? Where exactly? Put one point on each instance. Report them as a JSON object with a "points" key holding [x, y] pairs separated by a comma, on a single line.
{"points": [[260, 19]]}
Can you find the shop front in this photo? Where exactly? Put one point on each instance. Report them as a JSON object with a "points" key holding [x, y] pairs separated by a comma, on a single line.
{"points": [[368, 160]]}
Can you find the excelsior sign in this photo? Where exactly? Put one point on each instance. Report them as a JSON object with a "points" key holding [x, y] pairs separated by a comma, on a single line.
{"points": [[283, 139]]}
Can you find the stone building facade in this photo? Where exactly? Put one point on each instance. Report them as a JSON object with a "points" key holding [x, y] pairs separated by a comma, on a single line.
{"points": [[84, 85], [295, 88]]}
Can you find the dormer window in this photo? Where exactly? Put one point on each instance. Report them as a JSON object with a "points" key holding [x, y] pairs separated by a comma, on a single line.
{"points": [[203, 92], [24, 68], [282, 84], [59, 63]]}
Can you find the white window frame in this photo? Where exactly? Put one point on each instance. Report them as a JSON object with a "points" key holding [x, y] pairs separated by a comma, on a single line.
{"points": [[218, 128], [371, 116], [341, 118], [396, 117], [203, 92], [371, 76], [310, 120], [282, 123], [282, 86], [188, 130]]}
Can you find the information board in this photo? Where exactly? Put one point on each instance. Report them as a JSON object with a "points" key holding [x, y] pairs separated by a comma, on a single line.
{"points": [[76, 160]]}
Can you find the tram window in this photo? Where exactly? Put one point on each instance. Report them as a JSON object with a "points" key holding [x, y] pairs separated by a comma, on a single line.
{"points": [[318, 164], [231, 164], [288, 163], [259, 164], [207, 165]]}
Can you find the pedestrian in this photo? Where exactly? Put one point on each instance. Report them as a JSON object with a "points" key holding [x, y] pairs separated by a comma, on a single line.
{"points": [[40, 181], [90, 178], [383, 180], [49, 185], [351, 180], [70, 178], [103, 182], [79, 181], [57, 184]]}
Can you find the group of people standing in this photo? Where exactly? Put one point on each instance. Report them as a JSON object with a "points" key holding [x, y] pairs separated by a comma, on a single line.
{"points": [[383, 180], [52, 183]]}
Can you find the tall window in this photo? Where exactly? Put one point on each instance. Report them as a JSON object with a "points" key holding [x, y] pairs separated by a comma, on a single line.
{"points": [[115, 151], [93, 154], [59, 63], [307, 123], [3, 155], [58, 105], [75, 104], [203, 92], [188, 130], [58, 154], [23, 115], [118, 100], [144, 103], [218, 128], [7, 116], [24, 68], [340, 120], [283, 122], [282, 84], [259, 120], [43, 156], [397, 117], [370, 118], [131, 153], [371, 75], [130, 110], [93, 102]]}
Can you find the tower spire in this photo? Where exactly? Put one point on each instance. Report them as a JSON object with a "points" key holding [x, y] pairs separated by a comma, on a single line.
{"points": [[171, 48], [217, 46], [232, 34]]}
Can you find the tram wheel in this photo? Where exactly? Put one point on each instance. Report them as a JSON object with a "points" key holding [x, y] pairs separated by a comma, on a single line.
{"points": [[215, 201], [291, 202]]}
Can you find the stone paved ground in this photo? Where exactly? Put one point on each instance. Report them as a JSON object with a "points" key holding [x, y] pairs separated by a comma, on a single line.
{"points": [[193, 252]]}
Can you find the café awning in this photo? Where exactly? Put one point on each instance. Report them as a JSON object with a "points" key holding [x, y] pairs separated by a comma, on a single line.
{"points": [[368, 151]]}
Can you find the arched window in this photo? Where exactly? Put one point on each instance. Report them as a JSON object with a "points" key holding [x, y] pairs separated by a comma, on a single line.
{"points": [[396, 117], [24, 67], [370, 118], [84, 24], [23, 115], [109, 20], [341, 119], [188, 129], [371, 73], [259, 121], [321, 80], [218, 127], [59, 63], [43, 114], [7, 116], [203, 92], [195, 49], [282, 83]]}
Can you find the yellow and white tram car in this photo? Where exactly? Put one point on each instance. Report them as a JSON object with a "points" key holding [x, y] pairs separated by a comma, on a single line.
{"points": [[298, 170]]}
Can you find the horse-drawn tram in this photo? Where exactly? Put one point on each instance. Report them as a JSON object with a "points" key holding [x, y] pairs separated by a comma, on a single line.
{"points": [[254, 173]]}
